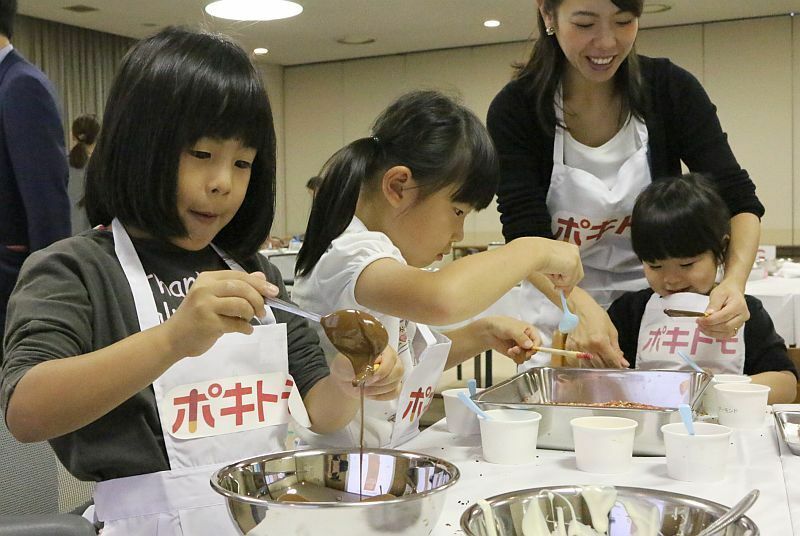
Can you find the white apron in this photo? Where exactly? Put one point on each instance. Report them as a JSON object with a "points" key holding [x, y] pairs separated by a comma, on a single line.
{"points": [[661, 337], [228, 404], [585, 212], [388, 423]]}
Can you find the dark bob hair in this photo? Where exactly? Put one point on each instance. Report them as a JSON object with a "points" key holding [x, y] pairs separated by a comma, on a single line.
{"points": [[443, 144], [171, 90], [679, 218]]}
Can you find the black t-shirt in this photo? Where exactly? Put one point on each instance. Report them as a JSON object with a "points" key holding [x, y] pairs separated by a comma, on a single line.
{"points": [[171, 271], [764, 349]]}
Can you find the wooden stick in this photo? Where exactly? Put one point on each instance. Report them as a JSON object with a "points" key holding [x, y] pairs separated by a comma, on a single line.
{"points": [[566, 353]]}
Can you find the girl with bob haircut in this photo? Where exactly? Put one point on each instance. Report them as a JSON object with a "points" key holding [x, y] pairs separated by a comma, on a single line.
{"points": [[134, 348], [585, 125], [391, 204], [680, 232]]}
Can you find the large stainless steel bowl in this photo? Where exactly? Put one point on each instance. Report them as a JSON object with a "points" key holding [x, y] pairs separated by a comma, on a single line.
{"points": [[329, 480], [680, 515]]}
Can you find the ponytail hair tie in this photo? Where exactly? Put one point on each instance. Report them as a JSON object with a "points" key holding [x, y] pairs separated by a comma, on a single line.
{"points": [[376, 140]]}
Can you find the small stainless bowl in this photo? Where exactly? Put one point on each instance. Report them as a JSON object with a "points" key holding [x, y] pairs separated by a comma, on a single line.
{"points": [[680, 514], [329, 480]]}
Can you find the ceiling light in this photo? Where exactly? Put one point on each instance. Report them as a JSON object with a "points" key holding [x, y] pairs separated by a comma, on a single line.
{"points": [[654, 7], [254, 10], [260, 51], [80, 8], [356, 40], [491, 23]]}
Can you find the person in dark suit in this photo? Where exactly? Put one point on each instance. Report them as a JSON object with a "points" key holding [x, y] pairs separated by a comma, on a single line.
{"points": [[34, 204]]}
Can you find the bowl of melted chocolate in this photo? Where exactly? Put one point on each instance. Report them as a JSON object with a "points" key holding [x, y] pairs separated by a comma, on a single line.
{"points": [[336, 492]]}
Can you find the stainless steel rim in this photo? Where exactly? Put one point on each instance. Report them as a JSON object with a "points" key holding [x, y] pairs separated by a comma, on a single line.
{"points": [[451, 468]]}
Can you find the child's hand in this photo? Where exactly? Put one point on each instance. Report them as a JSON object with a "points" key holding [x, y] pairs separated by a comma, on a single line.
{"points": [[384, 384], [727, 310], [218, 302], [560, 262], [509, 336]]}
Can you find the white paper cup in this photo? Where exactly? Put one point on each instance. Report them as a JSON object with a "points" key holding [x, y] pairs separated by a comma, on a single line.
{"points": [[459, 418], [603, 444], [509, 436], [702, 457], [710, 395], [742, 405]]}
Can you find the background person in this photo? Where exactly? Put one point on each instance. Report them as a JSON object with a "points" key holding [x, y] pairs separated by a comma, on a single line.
{"points": [[34, 211], [84, 132]]}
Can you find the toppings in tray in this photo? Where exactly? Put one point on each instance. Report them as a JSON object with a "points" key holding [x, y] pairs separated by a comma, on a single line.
{"points": [[612, 404]]}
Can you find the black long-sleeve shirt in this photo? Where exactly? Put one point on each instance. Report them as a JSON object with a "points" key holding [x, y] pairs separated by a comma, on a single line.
{"points": [[682, 125]]}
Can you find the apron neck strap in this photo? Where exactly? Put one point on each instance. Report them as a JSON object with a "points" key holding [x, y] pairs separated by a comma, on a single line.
{"points": [[137, 279]]}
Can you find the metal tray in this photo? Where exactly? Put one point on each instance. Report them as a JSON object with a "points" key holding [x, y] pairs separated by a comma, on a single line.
{"points": [[788, 422], [546, 389]]}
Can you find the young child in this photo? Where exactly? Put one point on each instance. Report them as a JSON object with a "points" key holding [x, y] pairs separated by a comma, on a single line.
{"points": [[680, 230], [131, 349], [393, 203]]}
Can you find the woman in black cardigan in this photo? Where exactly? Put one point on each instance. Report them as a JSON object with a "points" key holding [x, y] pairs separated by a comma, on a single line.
{"points": [[585, 125]]}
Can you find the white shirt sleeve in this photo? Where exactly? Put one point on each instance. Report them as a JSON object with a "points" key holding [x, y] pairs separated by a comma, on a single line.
{"points": [[331, 284]]}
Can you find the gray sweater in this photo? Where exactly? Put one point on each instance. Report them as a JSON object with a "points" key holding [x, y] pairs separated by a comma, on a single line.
{"points": [[73, 298]]}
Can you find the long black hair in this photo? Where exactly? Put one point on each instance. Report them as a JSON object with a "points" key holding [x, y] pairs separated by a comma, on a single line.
{"points": [[544, 70], [679, 218], [440, 141], [171, 90]]}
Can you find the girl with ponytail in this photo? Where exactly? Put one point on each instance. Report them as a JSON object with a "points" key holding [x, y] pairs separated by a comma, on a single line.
{"points": [[391, 204], [84, 131]]}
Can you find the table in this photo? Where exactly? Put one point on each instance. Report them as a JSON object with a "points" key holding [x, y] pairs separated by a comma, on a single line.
{"points": [[791, 472], [755, 463], [781, 299]]}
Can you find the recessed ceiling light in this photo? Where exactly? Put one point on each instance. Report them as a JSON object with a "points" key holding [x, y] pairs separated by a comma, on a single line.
{"points": [[356, 40], [250, 10], [491, 23], [260, 51], [654, 7]]}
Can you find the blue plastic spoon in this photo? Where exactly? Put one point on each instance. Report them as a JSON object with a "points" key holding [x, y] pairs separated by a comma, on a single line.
{"points": [[569, 320], [472, 405], [472, 385], [691, 362], [686, 416]]}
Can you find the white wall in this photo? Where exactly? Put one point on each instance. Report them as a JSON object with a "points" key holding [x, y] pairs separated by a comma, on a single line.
{"points": [[747, 67]]}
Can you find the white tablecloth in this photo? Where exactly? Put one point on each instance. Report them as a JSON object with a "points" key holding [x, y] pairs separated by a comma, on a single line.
{"points": [[781, 299], [754, 463], [791, 474]]}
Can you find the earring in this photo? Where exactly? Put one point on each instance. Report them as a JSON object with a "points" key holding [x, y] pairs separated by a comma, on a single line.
{"points": [[550, 30]]}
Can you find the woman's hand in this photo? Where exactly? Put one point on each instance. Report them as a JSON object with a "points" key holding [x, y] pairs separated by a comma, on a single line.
{"points": [[596, 335], [727, 311], [218, 303], [509, 336], [384, 384]]}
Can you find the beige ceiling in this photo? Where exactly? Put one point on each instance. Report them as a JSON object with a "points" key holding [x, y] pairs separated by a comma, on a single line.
{"points": [[397, 25]]}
